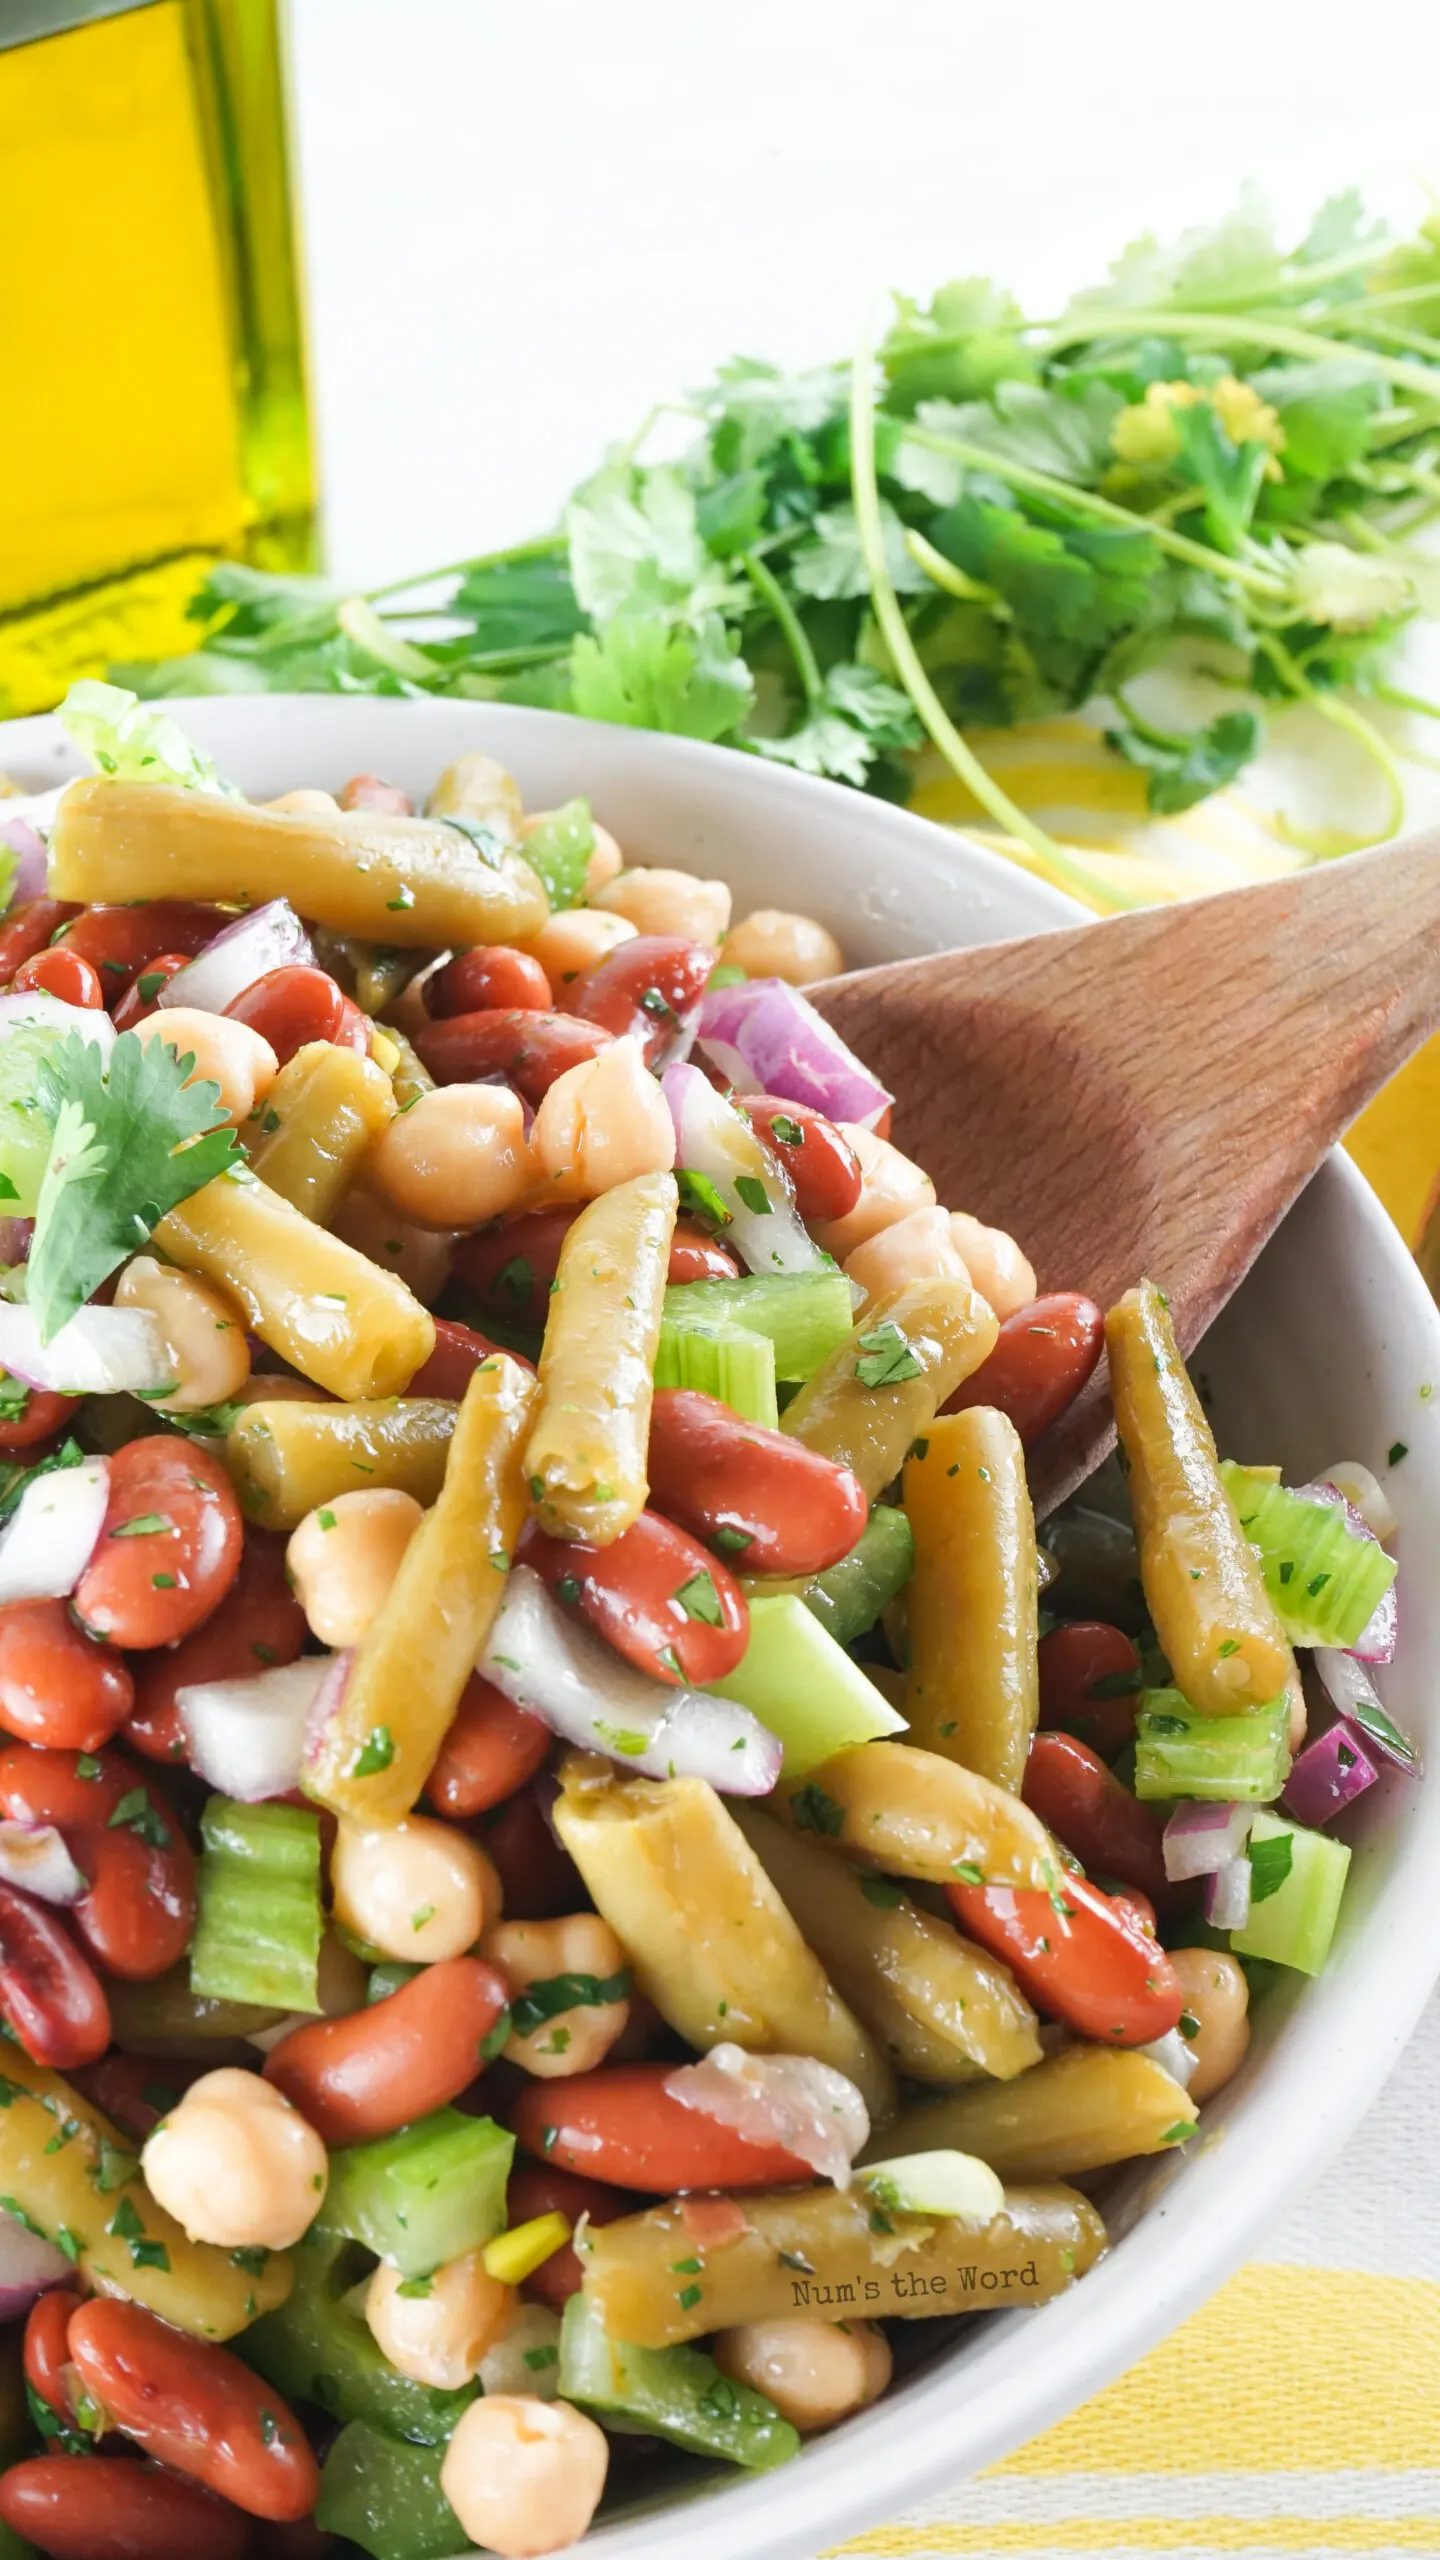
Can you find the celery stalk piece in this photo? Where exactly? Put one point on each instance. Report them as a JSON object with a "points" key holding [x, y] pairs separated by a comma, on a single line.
{"points": [[804, 1686], [729, 1361], [1221, 1759], [316, 2347], [848, 1597], [675, 2392], [1297, 1880], [804, 1313], [423, 2195], [1325, 1582], [386, 2496], [257, 1936]]}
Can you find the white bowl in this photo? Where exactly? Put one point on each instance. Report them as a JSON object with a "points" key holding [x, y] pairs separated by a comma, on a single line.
{"points": [[1324, 1354]]}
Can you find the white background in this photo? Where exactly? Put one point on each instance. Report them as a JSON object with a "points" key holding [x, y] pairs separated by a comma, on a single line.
{"points": [[527, 220]]}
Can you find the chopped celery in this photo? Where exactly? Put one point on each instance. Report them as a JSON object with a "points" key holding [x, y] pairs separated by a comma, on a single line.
{"points": [[849, 1596], [386, 2496], [1245, 1759], [801, 1683], [804, 1313], [1325, 1582], [725, 1360], [558, 849], [425, 2194], [1297, 1879], [675, 2392], [317, 2348], [257, 1936]]}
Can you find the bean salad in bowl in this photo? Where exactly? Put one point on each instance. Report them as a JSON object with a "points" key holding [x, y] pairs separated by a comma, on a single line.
{"points": [[571, 1864]]}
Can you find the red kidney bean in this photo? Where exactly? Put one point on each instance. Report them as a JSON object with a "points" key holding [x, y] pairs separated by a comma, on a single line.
{"points": [[290, 1007], [64, 974], [367, 791], [657, 1596], [358, 2077], [77, 2510], [48, 1993], [303, 2538], [29, 930], [820, 1162], [1129, 1898], [120, 940], [539, 1880], [458, 1352], [1099, 1821], [135, 2090], [196, 2407], [648, 988], [510, 1267], [170, 1547], [534, 2190], [1080, 1955], [56, 1686], [1041, 1360], [142, 996], [139, 1913], [46, 2352], [491, 1749], [622, 2128], [694, 1255], [532, 1049], [257, 1625], [769, 1504], [1090, 1683], [41, 1414], [482, 981]]}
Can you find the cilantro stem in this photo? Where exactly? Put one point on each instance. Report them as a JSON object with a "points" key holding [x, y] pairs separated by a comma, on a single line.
{"points": [[768, 586], [533, 550], [1399, 700], [956, 582], [1230, 329], [1055, 864], [1303, 280], [1342, 715]]}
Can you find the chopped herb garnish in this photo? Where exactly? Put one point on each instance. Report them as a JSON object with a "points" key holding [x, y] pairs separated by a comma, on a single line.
{"points": [[886, 1358], [812, 1810], [374, 1754], [750, 1189]]}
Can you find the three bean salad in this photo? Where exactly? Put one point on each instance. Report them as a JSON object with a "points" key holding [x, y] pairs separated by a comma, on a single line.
{"points": [[571, 1863]]}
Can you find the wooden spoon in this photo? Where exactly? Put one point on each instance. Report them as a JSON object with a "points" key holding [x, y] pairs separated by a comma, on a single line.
{"points": [[1148, 1096]]}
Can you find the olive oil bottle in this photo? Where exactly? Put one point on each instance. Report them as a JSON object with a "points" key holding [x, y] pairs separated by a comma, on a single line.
{"points": [[152, 417]]}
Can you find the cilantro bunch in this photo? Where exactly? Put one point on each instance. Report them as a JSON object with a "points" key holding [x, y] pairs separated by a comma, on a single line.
{"points": [[985, 520]]}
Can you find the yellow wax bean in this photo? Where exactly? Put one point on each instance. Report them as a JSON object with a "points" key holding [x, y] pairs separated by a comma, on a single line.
{"points": [[884, 1384], [1085, 2108], [411, 881], [910, 1813], [285, 1458], [420, 1649], [1203, 1584], [330, 1313], [972, 1688], [587, 1453], [315, 1124]]}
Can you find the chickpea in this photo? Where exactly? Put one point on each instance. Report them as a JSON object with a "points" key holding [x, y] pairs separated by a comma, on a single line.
{"points": [[575, 939], [203, 1332], [344, 1557], [1217, 1994], [919, 1247], [420, 1255], [236, 2164], [304, 804], [606, 862], [892, 1187], [527, 2358], [530, 1951], [266, 1387], [768, 943], [418, 1890], [670, 902], [455, 1158], [602, 1122], [816, 2371], [997, 1267], [523, 2475], [438, 2337], [226, 1053]]}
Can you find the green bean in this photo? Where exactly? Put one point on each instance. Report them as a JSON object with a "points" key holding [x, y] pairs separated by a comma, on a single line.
{"points": [[910, 1813], [880, 1388], [286, 1457], [587, 1452], [1085, 2108], [972, 1688], [315, 1124]]}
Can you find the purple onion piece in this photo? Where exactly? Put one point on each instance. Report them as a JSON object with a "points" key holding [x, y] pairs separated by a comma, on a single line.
{"points": [[1348, 1686], [1329, 1774], [1225, 1899], [32, 868], [768, 1038], [1199, 1839], [269, 937]]}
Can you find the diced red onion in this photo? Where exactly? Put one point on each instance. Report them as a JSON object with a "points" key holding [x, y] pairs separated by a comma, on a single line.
{"points": [[29, 2266], [270, 937], [39, 1011], [544, 1660], [32, 865], [38, 809], [102, 1351], [33, 1856], [1173, 2053], [16, 1236], [783, 2098], [1329, 1774], [766, 1037], [51, 1537], [1349, 1687], [1366, 1494], [1200, 1838], [247, 1737], [1376, 1640], [712, 1139], [1225, 1899]]}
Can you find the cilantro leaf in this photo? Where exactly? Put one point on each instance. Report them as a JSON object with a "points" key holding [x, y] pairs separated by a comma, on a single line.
{"points": [[886, 1358], [131, 1141], [1270, 1864], [635, 545], [1180, 771], [832, 564], [645, 675], [521, 604], [858, 717]]}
